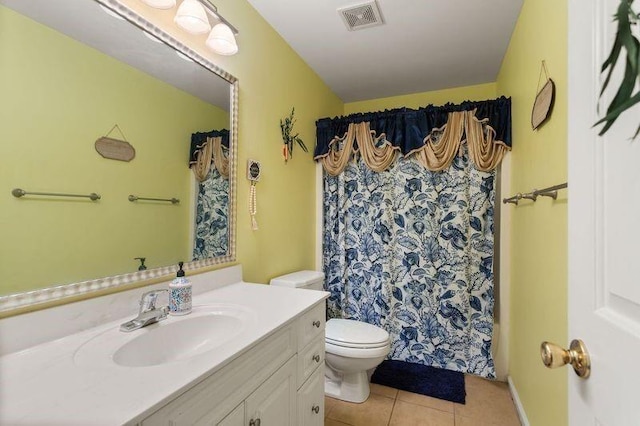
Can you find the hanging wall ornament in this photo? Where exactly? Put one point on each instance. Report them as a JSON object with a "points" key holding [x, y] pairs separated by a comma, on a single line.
{"points": [[545, 97], [115, 149]]}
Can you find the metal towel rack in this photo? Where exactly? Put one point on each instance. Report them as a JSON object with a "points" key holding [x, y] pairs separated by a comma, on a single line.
{"points": [[551, 192], [17, 192], [133, 198]]}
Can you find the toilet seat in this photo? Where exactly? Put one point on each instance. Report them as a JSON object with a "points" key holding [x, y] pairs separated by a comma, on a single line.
{"points": [[355, 353], [356, 345], [355, 335]]}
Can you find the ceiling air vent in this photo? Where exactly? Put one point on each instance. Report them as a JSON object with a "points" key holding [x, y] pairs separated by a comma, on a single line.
{"points": [[361, 16]]}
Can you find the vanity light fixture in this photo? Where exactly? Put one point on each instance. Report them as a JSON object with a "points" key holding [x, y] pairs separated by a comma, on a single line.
{"points": [[192, 17]]}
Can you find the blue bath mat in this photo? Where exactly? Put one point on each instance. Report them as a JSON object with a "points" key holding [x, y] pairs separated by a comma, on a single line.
{"points": [[422, 379]]}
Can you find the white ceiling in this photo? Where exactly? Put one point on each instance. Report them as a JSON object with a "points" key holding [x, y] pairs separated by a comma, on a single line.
{"points": [[423, 45], [86, 22]]}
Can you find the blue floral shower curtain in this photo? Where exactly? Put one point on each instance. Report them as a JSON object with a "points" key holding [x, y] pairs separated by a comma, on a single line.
{"points": [[211, 227], [411, 250], [212, 217]]}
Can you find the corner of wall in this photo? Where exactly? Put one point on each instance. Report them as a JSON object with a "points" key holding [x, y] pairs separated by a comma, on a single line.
{"points": [[536, 233]]}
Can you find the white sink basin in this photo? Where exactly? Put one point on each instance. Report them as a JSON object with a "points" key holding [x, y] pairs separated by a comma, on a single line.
{"points": [[174, 339]]}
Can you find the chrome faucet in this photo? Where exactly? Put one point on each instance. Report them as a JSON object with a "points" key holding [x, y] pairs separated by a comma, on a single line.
{"points": [[149, 313]]}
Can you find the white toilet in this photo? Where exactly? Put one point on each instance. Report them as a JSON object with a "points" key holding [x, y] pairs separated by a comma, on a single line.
{"points": [[351, 347]]}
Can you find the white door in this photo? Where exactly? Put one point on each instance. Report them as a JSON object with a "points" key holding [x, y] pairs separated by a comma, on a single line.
{"points": [[604, 229]]}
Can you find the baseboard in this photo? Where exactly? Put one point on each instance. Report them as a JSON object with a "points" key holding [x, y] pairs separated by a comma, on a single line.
{"points": [[516, 399]]}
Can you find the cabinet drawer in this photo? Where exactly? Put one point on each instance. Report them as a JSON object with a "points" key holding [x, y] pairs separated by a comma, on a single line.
{"points": [[311, 400], [311, 325], [310, 358]]}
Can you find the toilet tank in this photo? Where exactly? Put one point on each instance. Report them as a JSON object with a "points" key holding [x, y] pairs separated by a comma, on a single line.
{"points": [[310, 280]]}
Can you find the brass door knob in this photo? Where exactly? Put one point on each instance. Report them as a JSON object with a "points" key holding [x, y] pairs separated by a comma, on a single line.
{"points": [[577, 355]]}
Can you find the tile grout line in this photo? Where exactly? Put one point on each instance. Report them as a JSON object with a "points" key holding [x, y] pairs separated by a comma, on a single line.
{"points": [[393, 407]]}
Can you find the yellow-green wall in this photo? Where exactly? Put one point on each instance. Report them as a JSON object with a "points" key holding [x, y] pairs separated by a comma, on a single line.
{"points": [[272, 79], [538, 231], [58, 97], [416, 100]]}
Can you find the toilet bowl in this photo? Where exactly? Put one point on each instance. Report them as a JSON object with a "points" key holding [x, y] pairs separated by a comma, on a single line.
{"points": [[352, 348]]}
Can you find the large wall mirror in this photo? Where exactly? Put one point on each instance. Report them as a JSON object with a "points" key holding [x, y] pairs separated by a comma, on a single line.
{"points": [[75, 71]]}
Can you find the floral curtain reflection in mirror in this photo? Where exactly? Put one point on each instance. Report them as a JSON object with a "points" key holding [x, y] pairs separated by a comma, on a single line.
{"points": [[209, 160]]}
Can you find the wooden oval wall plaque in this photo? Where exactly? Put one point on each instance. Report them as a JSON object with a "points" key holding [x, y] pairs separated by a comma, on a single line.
{"points": [[115, 149], [543, 104]]}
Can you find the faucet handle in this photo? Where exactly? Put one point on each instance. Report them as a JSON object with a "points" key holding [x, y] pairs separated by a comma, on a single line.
{"points": [[148, 300]]}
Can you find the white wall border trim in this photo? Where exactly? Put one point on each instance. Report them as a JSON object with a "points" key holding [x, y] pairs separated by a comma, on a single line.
{"points": [[516, 400]]}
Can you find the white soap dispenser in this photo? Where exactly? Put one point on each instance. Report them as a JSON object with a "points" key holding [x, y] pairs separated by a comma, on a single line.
{"points": [[180, 294]]}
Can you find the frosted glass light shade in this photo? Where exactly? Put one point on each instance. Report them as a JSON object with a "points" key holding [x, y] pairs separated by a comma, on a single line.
{"points": [[160, 4], [222, 41], [192, 17]]}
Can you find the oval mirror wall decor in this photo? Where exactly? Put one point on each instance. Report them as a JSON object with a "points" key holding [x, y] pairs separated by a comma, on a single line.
{"points": [[115, 149]]}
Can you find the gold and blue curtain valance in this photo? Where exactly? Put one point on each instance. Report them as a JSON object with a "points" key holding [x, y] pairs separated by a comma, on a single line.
{"points": [[433, 134], [209, 148]]}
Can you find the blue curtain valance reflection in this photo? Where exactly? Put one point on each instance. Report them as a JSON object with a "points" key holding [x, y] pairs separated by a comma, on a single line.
{"points": [[407, 128], [198, 138]]}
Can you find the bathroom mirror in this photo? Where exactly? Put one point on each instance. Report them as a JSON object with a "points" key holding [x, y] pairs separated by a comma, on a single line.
{"points": [[75, 71]]}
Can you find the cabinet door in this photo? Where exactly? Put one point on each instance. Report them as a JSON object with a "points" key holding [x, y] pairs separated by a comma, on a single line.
{"points": [[311, 400], [274, 402], [235, 418]]}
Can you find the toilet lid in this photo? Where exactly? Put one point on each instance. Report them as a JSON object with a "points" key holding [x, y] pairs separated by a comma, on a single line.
{"points": [[344, 332]]}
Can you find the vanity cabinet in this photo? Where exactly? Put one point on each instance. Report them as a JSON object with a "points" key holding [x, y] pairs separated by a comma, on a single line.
{"points": [[277, 382]]}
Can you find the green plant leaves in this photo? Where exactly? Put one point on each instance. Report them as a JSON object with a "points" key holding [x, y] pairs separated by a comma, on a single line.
{"points": [[624, 97], [286, 128]]}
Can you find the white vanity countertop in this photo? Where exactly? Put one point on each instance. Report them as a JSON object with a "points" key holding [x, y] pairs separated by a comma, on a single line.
{"points": [[46, 385]]}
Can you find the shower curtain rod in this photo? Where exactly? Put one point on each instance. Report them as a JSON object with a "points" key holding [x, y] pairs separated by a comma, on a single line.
{"points": [[551, 191]]}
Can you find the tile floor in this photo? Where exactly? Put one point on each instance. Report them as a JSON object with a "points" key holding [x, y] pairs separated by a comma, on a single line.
{"points": [[489, 403]]}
